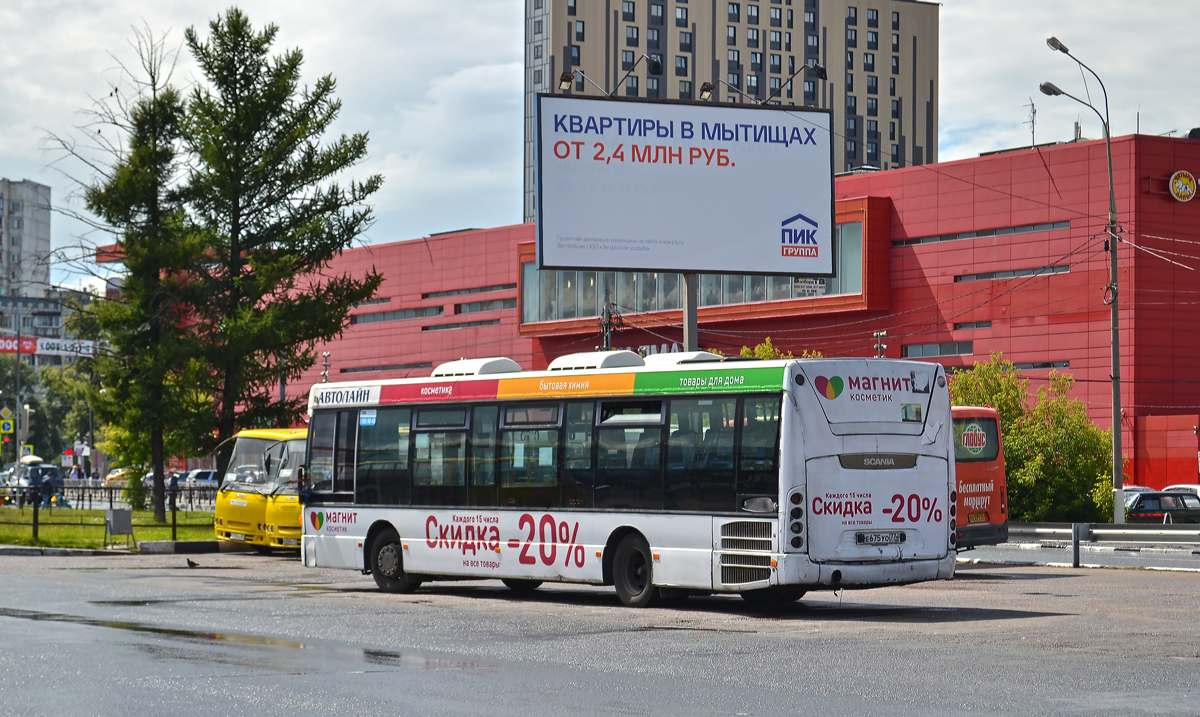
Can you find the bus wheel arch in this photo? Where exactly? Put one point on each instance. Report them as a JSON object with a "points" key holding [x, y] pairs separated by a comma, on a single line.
{"points": [[633, 571], [610, 548]]}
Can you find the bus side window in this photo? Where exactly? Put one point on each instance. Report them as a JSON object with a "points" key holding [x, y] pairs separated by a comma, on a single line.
{"points": [[700, 453], [343, 454], [440, 457], [629, 450], [758, 473], [321, 431], [383, 475], [578, 478], [484, 428]]}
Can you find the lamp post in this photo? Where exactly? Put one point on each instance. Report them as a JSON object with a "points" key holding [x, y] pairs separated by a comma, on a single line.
{"points": [[1110, 291]]}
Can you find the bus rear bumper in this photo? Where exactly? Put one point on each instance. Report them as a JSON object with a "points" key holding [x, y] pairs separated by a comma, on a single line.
{"points": [[799, 570], [970, 536]]}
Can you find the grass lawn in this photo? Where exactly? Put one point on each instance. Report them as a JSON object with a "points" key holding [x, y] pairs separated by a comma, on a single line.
{"points": [[69, 528]]}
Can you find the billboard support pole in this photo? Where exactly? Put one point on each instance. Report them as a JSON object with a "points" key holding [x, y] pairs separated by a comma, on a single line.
{"points": [[691, 300]]}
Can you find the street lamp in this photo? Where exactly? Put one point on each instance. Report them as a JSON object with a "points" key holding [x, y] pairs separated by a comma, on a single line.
{"points": [[1049, 88], [706, 91], [564, 81]]}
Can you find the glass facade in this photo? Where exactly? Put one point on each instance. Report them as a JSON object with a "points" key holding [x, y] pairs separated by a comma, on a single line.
{"points": [[553, 295]]}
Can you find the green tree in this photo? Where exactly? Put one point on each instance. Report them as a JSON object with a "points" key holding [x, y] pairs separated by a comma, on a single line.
{"points": [[767, 352], [8, 393], [1054, 455], [148, 342], [262, 192]]}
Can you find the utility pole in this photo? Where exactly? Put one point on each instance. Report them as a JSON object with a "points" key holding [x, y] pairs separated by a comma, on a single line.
{"points": [[880, 347], [610, 319]]}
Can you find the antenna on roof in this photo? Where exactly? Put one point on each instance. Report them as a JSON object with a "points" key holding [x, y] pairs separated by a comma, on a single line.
{"points": [[1032, 122]]}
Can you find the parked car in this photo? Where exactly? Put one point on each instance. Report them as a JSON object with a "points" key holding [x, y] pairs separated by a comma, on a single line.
{"points": [[1135, 489], [170, 479], [1163, 507], [1193, 488], [117, 475], [202, 478]]}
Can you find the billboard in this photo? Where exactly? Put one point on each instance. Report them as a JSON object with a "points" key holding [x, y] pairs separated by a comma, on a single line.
{"points": [[682, 186]]}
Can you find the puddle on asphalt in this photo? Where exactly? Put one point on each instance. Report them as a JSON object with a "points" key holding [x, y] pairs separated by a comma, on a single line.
{"points": [[385, 658]]}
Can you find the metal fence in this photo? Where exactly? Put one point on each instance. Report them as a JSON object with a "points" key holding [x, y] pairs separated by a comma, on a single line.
{"points": [[99, 494]]}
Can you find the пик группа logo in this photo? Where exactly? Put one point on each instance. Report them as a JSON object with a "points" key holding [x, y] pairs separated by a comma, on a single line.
{"points": [[799, 242], [830, 388]]}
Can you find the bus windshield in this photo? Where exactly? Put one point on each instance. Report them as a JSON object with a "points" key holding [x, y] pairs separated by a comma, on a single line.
{"points": [[247, 470], [281, 461], [976, 439]]}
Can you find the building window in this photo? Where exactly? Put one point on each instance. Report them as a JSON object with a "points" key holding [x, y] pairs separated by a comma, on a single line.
{"points": [[892, 131], [735, 61], [776, 17], [756, 62], [790, 16], [1015, 273], [685, 90], [652, 39], [685, 42], [851, 37], [895, 109], [752, 37], [775, 64], [579, 30], [849, 60], [872, 152], [872, 129], [872, 107], [895, 65], [810, 20], [735, 12], [652, 87], [681, 17], [734, 80], [872, 85], [537, 52], [851, 125], [810, 91], [872, 18], [631, 36], [537, 4], [631, 86], [579, 87], [892, 86], [537, 78], [659, 60], [626, 59], [851, 105], [849, 82], [752, 14], [731, 35], [872, 40], [973, 325], [869, 61], [752, 85], [775, 40], [570, 7], [951, 348], [895, 153], [787, 42], [627, 11], [656, 14], [895, 21], [681, 66], [851, 15], [812, 43], [537, 27], [776, 86], [476, 307]]}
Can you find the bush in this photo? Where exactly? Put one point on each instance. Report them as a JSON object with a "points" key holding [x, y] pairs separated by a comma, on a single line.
{"points": [[1055, 457]]}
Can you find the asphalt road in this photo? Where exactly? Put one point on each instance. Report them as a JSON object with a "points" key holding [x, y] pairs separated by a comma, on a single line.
{"points": [[241, 634]]}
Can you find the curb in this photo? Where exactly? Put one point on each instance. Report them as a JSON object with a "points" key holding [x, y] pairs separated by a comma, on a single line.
{"points": [[191, 547], [1093, 566], [28, 550]]}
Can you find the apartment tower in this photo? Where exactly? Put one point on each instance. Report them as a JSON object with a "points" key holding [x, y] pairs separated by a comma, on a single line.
{"points": [[880, 59], [25, 237]]}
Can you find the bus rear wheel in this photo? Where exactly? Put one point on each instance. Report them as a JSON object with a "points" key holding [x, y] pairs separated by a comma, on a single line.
{"points": [[633, 572], [387, 565], [521, 586]]}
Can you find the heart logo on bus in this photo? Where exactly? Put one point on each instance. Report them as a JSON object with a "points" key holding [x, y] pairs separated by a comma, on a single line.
{"points": [[830, 388], [318, 519]]}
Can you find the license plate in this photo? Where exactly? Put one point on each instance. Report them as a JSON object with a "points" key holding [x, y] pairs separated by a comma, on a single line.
{"points": [[289, 541], [237, 536], [242, 503], [976, 517], [891, 538]]}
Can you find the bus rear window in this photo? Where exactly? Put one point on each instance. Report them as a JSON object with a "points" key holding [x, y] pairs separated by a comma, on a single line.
{"points": [[976, 439]]}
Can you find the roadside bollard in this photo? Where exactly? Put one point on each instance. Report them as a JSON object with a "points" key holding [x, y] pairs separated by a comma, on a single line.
{"points": [[173, 491], [37, 501], [1079, 531]]}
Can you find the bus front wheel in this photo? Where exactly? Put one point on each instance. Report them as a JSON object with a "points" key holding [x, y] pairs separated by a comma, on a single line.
{"points": [[633, 572], [387, 565]]}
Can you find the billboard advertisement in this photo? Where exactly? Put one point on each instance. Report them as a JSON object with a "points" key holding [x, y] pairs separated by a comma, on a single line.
{"points": [[686, 187]]}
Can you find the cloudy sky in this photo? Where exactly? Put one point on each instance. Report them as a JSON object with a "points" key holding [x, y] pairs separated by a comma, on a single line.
{"points": [[437, 84]]}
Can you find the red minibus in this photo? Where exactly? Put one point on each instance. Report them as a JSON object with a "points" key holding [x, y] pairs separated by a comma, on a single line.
{"points": [[979, 474]]}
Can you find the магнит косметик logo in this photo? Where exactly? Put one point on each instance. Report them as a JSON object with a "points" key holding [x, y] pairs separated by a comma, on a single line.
{"points": [[830, 388], [318, 519]]}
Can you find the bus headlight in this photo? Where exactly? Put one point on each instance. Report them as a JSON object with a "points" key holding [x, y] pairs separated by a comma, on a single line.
{"points": [[953, 496], [797, 498], [797, 528], [953, 509], [797, 542], [797, 513]]}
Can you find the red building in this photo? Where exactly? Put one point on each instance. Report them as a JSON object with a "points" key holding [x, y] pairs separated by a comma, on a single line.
{"points": [[1004, 252]]}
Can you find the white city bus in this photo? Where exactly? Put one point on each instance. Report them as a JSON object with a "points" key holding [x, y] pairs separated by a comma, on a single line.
{"points": [[677, 475]]}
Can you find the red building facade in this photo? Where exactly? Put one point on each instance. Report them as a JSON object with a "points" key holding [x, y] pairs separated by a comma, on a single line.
{"points": [[1001, 253]]}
